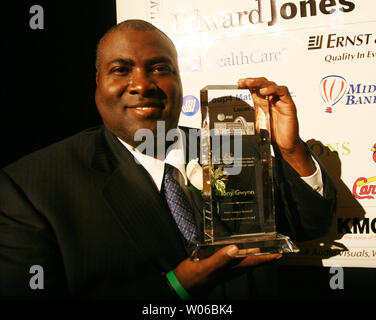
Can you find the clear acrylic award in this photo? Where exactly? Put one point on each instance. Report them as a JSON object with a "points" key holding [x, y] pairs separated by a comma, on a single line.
{"points": [[237, 174]]}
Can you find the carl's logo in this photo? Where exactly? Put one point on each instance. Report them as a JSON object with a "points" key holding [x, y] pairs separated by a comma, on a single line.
{"points": [[365, 188]]}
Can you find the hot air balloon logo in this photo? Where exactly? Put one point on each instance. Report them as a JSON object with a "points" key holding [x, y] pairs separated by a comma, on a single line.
{"points": [[332, 89]]}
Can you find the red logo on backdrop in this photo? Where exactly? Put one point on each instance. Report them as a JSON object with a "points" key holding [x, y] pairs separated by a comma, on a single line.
{"points": [[332, 89], [364, 188]]}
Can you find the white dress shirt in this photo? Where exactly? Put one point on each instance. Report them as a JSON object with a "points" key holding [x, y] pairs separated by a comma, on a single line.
{"points": [[176, 158], [155, 167]]}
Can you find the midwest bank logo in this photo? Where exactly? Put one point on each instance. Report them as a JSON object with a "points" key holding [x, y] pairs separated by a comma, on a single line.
{"points": [[334, 88]]}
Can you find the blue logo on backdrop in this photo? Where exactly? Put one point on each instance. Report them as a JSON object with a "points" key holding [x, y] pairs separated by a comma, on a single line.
{"points": [[190, 106]]}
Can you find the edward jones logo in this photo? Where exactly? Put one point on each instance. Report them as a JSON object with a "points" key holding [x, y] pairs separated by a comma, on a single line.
{"points": [[258, 12], [190, 106], [334, 88]]}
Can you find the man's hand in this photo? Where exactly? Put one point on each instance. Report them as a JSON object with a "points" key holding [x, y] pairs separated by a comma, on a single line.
{"points": [[283, 121], [195, 276]]}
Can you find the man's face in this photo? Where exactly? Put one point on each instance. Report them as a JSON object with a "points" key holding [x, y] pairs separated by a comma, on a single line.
{"points": [[138, 83]]}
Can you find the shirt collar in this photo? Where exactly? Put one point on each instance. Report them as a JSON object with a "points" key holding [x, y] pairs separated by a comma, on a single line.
{"points": [[155, 167]]}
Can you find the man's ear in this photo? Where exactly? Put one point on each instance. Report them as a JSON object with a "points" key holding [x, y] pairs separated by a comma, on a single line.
{"points": [[96, 77]]}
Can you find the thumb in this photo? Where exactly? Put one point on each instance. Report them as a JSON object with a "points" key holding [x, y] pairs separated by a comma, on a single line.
{"points": [[220, 258]]}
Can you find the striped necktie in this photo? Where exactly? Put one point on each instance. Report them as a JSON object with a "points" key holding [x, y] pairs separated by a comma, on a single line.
{"points": [[179, 205]]}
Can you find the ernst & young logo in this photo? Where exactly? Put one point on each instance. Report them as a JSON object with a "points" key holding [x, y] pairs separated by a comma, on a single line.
{"points": [[364, 43], [334, 40]]}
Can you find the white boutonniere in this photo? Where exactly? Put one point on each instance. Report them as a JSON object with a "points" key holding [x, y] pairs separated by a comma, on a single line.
{"points": [[218, 179], [195, 176]]}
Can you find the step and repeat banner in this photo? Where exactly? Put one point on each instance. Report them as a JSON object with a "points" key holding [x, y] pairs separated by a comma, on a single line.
{"points": [[324, 51]]}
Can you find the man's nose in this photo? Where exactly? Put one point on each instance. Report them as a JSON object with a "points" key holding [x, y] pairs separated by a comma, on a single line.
{"points": [[140, 83]]}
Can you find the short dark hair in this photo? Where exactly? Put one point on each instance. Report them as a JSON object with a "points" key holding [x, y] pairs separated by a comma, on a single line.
{"points": [[131, 24]]}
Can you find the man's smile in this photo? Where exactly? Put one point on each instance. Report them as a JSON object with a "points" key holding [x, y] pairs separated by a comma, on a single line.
{"points": [[146, 105], [146, 109]]}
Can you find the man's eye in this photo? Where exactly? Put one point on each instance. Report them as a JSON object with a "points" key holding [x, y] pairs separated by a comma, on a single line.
{"points": [[162, 69], [120, 70]]}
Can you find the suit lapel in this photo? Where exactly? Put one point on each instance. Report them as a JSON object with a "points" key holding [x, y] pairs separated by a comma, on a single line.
{"points": [[139, 208]]}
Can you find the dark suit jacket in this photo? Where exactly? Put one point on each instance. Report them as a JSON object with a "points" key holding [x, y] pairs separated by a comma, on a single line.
{"points": [[92, 218]]}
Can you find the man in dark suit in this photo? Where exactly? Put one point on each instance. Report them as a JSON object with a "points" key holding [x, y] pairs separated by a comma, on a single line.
{"points": [[97, 222]]}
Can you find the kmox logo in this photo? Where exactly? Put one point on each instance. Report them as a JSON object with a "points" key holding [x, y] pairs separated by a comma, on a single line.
{"points": [[356, 225]]}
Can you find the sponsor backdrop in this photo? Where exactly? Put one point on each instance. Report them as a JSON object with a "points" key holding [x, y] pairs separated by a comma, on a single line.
{"points": [[325, 52]]}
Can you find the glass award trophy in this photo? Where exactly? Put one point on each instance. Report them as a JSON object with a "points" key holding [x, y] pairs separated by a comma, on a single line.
{"points": [[237, 174]]}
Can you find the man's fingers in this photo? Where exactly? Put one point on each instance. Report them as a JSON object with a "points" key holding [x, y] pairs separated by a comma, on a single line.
{"points": [[259, 100], [275, 91], [252, 82], [255, 83], [232, 256], [193, 274], [251, 261], [220, 258], [263, 87], [245, 252]]}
